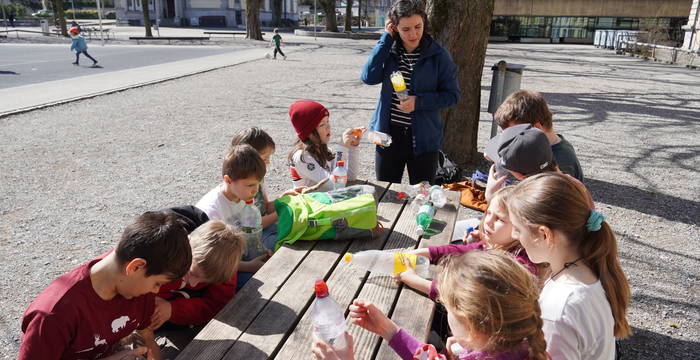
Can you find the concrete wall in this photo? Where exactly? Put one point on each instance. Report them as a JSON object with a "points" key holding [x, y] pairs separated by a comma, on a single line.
{"points": [[617, 8]]}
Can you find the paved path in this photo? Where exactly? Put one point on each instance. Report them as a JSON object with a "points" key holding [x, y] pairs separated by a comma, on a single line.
{"points": [[73, 175]]}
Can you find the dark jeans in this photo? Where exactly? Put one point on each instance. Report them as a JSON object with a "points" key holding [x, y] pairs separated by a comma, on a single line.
{"points": [[77, 56], [277, 49], [390, 161]]}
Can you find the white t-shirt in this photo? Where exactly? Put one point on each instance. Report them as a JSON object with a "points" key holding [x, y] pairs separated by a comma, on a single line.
{"points": [[306, 171], [578, 321], [218, 207]]}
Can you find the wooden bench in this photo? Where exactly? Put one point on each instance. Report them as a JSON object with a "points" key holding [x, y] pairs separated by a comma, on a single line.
{"points": [[169, 38], [270, 317], [234, 33]]}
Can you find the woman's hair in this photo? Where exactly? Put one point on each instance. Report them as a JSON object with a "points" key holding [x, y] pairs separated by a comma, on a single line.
{"points": [[255, 137], [494, 296], [559, 203], [319, 151], [408, 8]]}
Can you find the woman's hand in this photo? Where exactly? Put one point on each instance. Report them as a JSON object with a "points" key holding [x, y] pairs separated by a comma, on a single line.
{"points": [[323, 351], [389, 27], [408, 105], [369, 317]]}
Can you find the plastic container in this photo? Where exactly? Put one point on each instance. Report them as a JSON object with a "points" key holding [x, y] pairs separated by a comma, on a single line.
{"points": [[131, 342], [417, 202], [375, 137], [389, 263], [350, 192], [339, 176], [456, 349], [424, 217], [399, 84], [328, 320], [437, 196], [251, 228]]}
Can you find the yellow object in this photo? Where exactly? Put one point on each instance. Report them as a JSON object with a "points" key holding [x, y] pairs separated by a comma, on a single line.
{"points": [[399, 266], [347, 257], [398, 82]]}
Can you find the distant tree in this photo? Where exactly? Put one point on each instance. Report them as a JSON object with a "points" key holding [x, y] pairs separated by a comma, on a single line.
{"points": [[276, 12], [462, 27], [348, 15], [253, 31], [329, 8], [59, 16], [146, 17]]}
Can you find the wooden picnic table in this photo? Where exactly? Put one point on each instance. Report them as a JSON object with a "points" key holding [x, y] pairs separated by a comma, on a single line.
{"points": [[269, 318]]}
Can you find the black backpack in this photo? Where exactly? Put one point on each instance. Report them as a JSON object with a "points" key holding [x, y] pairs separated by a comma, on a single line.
{"points": [[447, 171]]}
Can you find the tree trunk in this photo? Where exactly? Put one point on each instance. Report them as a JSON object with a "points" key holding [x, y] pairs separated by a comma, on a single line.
{"points": [[348, 16], [331, 21], [253, 20], [59, 16], [463, 27], [146, 18], [359, 14], [276, 12]]}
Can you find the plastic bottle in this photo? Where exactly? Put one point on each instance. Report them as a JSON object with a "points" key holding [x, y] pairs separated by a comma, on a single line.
{"points": [[339, 176], [417, 202], [399, 84], [424, 217], [374, 137], [389, 262], [328, 320], [437, 196], [131, 342], [251, 227], [456, 349]]}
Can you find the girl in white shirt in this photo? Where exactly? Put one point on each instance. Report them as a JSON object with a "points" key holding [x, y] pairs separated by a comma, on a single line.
{"points": [[584, 302], [311, 160]]}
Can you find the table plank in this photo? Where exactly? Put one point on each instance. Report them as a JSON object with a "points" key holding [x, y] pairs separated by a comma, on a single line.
{"points": [[346, 279], [270, 329], [417, 323]]}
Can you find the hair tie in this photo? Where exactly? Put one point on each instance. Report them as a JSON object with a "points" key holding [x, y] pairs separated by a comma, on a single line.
{"points": [[595, 219]]}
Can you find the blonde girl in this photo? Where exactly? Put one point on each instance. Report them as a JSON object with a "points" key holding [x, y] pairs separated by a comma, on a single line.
{"points": [[585, 300], [492, 308], [494, 233], [311, 160]]}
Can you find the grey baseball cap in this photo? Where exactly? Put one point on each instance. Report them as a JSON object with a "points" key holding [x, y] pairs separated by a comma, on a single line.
{"points": [[522, 148]]}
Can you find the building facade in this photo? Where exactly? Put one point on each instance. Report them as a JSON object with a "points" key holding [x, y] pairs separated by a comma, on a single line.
{"points": [[209, 13], [692, 28], [577, 20]]}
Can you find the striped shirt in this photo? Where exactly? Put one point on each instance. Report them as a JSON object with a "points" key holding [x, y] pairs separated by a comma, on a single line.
{"points": [[406, 63]]}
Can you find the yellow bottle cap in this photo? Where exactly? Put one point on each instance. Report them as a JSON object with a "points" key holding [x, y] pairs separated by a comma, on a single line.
{"points": [[398, 82], [347, 257]]}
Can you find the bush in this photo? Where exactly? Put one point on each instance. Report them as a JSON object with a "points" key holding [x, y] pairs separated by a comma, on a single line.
{"points": [[90, 14], [17, 9]]}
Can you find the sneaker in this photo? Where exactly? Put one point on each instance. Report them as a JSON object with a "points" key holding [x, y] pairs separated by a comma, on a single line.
{"points": [[285, 57], [94, 63], [75, 63]]}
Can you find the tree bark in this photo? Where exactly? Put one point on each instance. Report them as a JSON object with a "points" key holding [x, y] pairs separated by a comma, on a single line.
{"points": [[463, 27], [146, 18], [277, 12], [329, 9], [60, 16], [348, 16], [253, 19]]}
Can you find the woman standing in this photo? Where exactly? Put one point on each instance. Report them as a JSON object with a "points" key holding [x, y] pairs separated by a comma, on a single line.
{"points": [[430, 76]]}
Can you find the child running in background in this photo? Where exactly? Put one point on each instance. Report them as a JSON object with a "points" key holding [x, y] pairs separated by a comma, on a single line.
{"points": [[492, 307], [277, 40], [585, 300], [311, 160], [494, 233], [78, 44]]}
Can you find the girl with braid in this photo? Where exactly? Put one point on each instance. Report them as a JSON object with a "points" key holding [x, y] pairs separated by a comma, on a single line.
{"points": [[585, 300]]}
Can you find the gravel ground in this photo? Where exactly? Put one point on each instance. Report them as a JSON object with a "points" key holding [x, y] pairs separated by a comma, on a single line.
{"points": [[74, 175]]}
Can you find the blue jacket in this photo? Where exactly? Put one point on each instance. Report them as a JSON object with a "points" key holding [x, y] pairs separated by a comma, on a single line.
{"points": [[78, 44], [434, 83]]}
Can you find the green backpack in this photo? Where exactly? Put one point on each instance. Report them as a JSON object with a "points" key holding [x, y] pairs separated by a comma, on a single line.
{"points": [[315, 216]]}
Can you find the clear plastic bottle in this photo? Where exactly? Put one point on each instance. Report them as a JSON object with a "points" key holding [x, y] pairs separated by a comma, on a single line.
{"points": [[456, 349], [417, 202], [328, 320], [374, 137], [424, 217], [339, 176], [389, 262], [437, 196], [251, 227], [399, 84]]}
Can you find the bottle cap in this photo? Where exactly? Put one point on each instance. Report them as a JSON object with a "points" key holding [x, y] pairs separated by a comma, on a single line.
{"points": [[341, 163], [347, 257], [249, 201], [419, 230], [321, 289]]}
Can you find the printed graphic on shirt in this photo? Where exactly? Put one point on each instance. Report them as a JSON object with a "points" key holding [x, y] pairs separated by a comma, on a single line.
{"points": [[294, 173], [119, 323], [311, 166]]}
